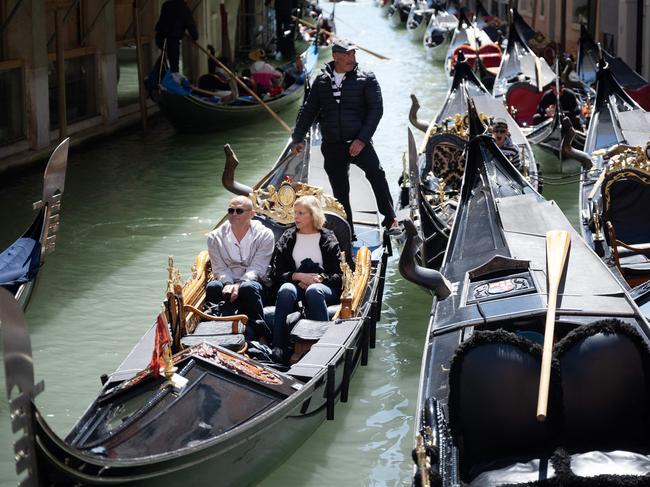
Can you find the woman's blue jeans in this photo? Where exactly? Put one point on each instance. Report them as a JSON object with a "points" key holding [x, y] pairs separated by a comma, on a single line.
{"points": [[316, 298]]}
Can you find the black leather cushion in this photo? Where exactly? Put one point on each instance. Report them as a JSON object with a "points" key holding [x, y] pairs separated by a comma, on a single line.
{"points": [[216, 328], [232, 342], [605, 385], [493, 387], [309, 330], [277, 228], [627, 200], [269, 317]]}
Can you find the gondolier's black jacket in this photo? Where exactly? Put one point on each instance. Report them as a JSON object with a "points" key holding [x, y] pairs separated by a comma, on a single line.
{"points": [[175, 17], [283, 265], [356, 117]]}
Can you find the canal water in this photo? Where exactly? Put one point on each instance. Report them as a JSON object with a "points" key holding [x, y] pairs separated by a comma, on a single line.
{"points": [[135, 199]]}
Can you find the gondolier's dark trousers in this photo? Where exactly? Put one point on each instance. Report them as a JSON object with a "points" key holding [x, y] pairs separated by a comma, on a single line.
{"points": [[337, 166], [172, 51]]}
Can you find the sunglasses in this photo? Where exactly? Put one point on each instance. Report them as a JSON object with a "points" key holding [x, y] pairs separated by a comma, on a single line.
{"points": [[239, 211]]}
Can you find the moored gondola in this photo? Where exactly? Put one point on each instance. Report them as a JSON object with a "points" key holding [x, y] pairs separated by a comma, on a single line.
{"points": [[478, 418], [431, 190], [522, 76], [398, 11], [21, 262], [217, 413], [615, 192], [196, 110], [587, 68], [438, 34], [476, 46], [417, 21]]}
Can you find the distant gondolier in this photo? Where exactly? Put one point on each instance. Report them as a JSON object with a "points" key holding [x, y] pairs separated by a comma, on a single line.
{"points": [[348, 104], [175, 19]]}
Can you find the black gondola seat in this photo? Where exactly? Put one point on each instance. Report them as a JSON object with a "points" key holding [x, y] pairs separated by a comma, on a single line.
{"points": [[605, 370], [493, 388], [625, 195]]}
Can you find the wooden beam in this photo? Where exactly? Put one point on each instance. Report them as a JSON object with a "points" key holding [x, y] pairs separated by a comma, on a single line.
{"points": [[138, 50], [60, 72]]}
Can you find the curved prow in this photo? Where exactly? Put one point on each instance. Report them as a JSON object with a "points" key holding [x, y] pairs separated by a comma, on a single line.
{"points": [[19, 379], [228, 176], [476, 126], [54, 178], [413, 115], [428, 278], [568, 151]]}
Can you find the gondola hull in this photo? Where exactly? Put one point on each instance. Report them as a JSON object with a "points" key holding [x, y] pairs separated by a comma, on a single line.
{"points": [[193, 114], [225, 419], [484, 347]]}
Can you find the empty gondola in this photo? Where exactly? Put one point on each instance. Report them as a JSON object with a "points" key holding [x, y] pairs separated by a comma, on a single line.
{"points": [[486, 414], [21, 262], [615, 192], [438, 34]]}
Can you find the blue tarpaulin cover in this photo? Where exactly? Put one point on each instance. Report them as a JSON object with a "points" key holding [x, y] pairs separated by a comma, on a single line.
{"points": [[20, 262]]}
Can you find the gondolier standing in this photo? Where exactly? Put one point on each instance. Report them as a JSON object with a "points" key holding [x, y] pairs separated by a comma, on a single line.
{"points": [[348, 103], [175, 18]]}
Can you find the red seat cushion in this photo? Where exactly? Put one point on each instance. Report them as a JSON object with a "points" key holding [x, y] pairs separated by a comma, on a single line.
{"points": [[525, 98], [641, 96]]}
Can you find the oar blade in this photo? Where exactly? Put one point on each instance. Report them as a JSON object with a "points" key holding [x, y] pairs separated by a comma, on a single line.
{"points": [[557, 248]]}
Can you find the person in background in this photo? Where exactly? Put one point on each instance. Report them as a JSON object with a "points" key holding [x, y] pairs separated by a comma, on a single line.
{"points": [[501, 135], [348, 103], [175, 19], [307, 263], [548, 105], [240, 252], [265, 75]]}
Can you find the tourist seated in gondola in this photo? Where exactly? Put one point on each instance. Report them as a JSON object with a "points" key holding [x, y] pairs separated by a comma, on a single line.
{"points": [[306, 266], [217, 79], [240, 252], [501, 135], [267, 78], [294, 73], [548, 105]]}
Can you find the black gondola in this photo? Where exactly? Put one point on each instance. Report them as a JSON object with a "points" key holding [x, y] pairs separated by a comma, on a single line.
{"points": [[222, 418], [431, 190], [476, 422], [438, 34], [21, 262], [477, 47], [398, 11], [522, 76], [615, 193], [587, 68], [193, 110]]}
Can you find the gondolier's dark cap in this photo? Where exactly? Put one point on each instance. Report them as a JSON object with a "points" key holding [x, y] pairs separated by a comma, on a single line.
{"points": [[342, 45]]}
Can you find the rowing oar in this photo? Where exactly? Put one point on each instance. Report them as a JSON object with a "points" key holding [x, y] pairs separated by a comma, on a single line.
{"points": [[557, 248], [314, 26], [243, 85]]}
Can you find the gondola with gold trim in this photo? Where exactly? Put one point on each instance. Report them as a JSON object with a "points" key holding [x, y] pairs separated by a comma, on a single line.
{"points": [[213, 413]]}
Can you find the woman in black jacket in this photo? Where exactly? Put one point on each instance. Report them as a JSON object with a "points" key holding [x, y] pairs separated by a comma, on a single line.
{"points": [[306, 262]]}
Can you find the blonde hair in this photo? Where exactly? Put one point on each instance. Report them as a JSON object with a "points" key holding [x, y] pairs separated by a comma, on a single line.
{"points": [[313, 205]]}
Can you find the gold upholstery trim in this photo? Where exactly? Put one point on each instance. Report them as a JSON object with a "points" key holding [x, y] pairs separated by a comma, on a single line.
{"points": [[278, 204]]}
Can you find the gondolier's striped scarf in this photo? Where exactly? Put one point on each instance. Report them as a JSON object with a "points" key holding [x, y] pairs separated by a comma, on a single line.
{"points": [[336, 89]]}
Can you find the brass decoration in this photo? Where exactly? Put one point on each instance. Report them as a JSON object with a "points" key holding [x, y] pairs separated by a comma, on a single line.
{"points": [[278, 204], [170, 369], [442, 196], [631, 162], [458, 125], [173, 275], [347, 277]]}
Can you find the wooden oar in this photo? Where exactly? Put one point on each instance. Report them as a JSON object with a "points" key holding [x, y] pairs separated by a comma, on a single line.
{"points": [[313, 26], [243, 85], [557, 248]]}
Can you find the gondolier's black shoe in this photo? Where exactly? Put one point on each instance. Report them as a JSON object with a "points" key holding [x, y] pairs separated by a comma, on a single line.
{"points": [[393, 227]]}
